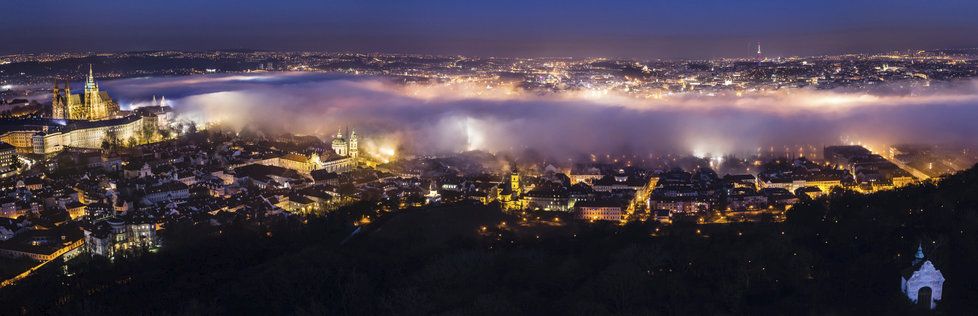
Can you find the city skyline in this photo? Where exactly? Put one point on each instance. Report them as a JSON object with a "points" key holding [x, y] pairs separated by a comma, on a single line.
{"points": [[538, 157], [648, 30]]}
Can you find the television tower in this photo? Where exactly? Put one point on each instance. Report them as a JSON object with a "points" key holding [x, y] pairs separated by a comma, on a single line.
{"points": [[759, 56]]}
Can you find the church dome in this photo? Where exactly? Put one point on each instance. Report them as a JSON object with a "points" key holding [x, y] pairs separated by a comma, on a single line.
{"points": [[339, 141]]}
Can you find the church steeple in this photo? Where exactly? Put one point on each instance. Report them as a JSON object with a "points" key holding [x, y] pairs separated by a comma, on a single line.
{"points": [[352, 143], [90, 104], [922, 283], [919, 256], [90, 82]]}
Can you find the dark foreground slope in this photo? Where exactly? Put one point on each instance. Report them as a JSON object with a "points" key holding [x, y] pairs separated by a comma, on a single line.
{"points": [[841, 255]]}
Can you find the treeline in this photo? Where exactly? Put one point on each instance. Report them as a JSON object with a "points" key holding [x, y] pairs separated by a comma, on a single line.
{"points": [[841, 255]]}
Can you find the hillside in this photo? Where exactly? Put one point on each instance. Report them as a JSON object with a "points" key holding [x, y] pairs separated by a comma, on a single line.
{"points": [[840, 255]]}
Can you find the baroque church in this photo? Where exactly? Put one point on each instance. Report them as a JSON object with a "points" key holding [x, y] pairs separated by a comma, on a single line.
{"points": [[922, 283], [346, 147], [91, 105], [344, 160]]}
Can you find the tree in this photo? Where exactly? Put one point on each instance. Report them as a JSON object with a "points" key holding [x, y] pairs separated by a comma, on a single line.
{"points": [[149, 130], [111, 140], [165, 133], [15, 164]]}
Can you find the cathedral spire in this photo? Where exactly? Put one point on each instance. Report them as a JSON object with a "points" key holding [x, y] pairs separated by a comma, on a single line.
{"points": [[90, 83]]}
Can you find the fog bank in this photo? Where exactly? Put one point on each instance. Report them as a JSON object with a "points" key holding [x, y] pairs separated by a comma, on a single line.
{"points": [[455, 117]]}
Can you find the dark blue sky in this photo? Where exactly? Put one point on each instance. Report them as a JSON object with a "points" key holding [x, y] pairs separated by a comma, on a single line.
{"points": [[633, 28]]}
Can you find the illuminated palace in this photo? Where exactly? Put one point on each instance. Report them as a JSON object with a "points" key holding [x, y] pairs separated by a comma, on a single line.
{"points": [[47, 137], [87, 120], [91, 104]]}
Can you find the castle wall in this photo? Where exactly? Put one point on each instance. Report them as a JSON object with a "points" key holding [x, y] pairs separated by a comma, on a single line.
{"points": [[91, 137]]}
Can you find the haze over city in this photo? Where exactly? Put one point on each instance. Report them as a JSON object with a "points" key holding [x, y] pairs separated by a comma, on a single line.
{"points": [[439, 118]]}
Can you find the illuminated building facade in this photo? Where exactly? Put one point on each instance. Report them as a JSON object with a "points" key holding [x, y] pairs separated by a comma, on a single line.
{"points": [[601, 210], [586, 175], [92, 104], [346, 147], [21, 140], [922, 283], [872, 172], [305, 164], [679, 204], [825, 185], [116, 236], [511, 192], [91, 134], [8, 156], [47, 136], [298, 203], [515, 184], [547, 200], [301, 163]]}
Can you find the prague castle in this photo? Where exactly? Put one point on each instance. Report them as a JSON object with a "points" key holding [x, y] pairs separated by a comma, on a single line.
{"points": [[89, 120], [90, 105]]}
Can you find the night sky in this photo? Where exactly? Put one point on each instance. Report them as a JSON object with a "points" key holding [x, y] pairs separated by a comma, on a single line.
{"points": [[628, 28]]}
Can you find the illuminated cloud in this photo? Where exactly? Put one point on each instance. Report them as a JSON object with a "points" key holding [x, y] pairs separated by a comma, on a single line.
{"points": [[464, 115]]}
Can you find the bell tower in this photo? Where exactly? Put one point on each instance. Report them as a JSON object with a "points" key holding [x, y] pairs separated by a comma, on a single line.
{"points": [[354, 152], [514, 183]]}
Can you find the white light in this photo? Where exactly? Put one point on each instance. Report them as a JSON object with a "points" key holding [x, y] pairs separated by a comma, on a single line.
{"points": [[473, 137]]}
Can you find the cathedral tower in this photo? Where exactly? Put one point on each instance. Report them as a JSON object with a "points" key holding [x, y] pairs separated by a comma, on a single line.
{"points": [[91, 104], [93, 100], [59, 109]]}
